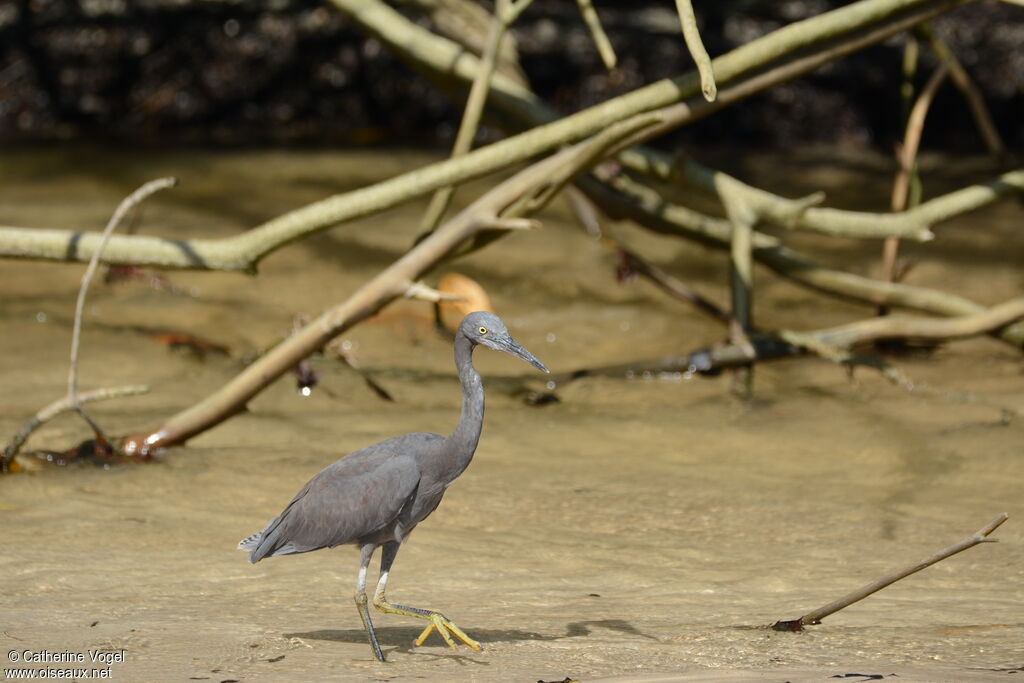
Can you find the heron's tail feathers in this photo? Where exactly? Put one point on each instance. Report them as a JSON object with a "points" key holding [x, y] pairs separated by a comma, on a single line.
{"points": [[268, 542], [250, 542]]}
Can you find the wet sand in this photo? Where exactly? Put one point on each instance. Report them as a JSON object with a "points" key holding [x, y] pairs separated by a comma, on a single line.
{"points": [[643, 529]]}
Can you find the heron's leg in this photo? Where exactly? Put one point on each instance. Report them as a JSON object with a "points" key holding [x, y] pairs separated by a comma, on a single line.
{"points": [[365, 553], [445, 627]]}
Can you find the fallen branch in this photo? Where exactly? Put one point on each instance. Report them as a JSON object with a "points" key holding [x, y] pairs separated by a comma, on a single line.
{"points": [[707, 361], [71, 400], [847, 336], [511, 199], [58, 407], [832, 344], [625, 198], [815, 617], [833, 34]]}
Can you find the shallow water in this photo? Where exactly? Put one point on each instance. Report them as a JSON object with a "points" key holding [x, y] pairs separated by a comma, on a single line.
{"points": [[638, 527]]}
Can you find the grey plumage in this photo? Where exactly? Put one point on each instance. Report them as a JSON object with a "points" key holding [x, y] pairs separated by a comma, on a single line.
{"points": [[375, 496]]}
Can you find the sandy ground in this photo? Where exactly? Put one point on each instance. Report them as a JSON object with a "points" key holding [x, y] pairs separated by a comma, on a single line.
{"points": [[639, 530]]}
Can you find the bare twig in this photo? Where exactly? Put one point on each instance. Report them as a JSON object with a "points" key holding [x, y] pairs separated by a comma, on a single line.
{"points": [[505, 13], [911, 52], [815, 617], [58, 407], [593, 22], [907, 159], [696, 47], [349, 359], [915, 126], [469, 23], [584, 210], [975, 100], [671, 285], [71, 400], [126, 205], [501, 223], [422, 292], [741, 280]]}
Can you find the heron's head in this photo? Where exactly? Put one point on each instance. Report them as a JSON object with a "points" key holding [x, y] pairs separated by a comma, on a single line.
{"points": [[488, 330]]}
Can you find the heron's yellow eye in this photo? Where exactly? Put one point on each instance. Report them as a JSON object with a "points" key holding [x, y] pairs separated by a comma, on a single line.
{"points": [[482, 330]]}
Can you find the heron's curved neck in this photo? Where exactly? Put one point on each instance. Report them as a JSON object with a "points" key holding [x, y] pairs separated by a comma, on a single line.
{"points": [[467, 433]]}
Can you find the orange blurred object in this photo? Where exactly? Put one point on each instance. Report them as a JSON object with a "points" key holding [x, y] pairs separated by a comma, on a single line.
{"points": [[474, 298]]}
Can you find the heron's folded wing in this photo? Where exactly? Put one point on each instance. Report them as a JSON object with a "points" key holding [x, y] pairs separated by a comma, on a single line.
{"points": [[354, 497]]}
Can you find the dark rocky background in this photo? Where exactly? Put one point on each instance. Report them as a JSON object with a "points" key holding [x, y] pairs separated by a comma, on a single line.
{"points": [[296, 71]]}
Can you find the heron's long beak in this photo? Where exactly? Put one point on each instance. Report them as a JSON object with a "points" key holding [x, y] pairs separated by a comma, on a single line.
{"points": [[511, 346]]}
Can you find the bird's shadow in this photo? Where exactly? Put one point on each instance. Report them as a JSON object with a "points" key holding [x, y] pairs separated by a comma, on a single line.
{"points": [[400, 638]]}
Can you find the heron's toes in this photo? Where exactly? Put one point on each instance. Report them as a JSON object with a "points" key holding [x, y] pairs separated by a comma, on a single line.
{"points": [[461, 635], [446, 629]]}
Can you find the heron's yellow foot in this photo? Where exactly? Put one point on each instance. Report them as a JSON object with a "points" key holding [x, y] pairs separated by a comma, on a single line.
{"points": [[446, 629]]}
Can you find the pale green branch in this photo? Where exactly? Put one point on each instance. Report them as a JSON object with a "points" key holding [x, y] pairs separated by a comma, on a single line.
{"points": [[626, 198], [593, 22], [504, 14], [244, 251], [975, 100], [432, 51], [695, 45], [912, 327]]}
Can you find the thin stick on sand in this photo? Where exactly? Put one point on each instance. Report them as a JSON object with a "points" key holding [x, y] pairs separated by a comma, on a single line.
{"points": [[815, 617]]}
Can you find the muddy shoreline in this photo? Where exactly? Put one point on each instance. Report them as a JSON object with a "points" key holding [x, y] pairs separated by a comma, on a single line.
{"points": [[645, 529]]}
